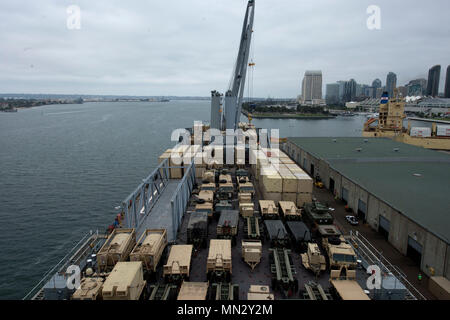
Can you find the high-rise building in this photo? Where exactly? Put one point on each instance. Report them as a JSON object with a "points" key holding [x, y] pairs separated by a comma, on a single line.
{"points": [[332, 94], [379, 92], [433, 81], [375, 85], [447, 84], [341, 84], [312, 87], [350, 90], [417, 87], [391, 83]]}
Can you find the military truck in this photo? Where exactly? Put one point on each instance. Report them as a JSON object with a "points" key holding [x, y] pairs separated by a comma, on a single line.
{"points": [[125, 282], [246, 187], [246, 209], [316, 214], [178, 264], [313, 259], [197, 230], [245, 197], [222, 205], [209, 176], [205, 196], [268, 209], [206, 207], [340, 253], [149, 249], [227, 227], [116, 248], [225, 190], [211, 186], [289, 210], [218, 263], [90, 289]]}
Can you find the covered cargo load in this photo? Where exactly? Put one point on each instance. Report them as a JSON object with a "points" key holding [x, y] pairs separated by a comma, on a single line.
{"points": [[300, 234], [271, 180], [90, 289], [257, 292], [206, 207], [276, 233], [206, 196], [223, 205], [150, 248], [218, 264], [268, 209], [245, 198], [116, 248], [251, 252], [289, 211], [197, 229], [125, 282], [193, 291], [247, 188], [208, 186], [209, 176], [179, 262], [304, 182], [246, 209], [227, 227]]}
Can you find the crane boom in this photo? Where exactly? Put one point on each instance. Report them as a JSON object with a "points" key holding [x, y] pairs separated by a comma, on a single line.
{"points": [[234, 95]]}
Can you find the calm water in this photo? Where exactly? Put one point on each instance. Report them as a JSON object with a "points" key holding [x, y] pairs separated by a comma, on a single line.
{"points": [[64, 168]]}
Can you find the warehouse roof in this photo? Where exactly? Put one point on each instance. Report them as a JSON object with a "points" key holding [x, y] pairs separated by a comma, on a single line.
{"points": [[412, 180]]}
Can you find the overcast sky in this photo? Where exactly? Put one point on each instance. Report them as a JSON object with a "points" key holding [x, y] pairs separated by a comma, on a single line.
{"points": [[188, 47]]}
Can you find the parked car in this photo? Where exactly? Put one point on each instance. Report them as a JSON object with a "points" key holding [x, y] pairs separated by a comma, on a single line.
{"points": [[352, 220]]}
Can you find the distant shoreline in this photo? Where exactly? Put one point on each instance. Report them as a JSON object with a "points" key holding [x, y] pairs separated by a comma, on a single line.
{"points": [[288, 116]]}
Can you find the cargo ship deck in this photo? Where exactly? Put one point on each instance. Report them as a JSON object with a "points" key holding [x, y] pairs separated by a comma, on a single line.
{"points": [[164, 203]]}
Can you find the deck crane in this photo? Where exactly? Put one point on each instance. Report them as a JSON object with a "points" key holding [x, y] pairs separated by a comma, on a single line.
{"points": [[233, 97]]}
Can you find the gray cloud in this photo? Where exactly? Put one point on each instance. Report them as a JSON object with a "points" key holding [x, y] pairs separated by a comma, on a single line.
{"points": [[188, 47]]}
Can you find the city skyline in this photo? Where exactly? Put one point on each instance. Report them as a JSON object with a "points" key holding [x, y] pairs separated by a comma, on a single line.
{"points": [[150, 48]]}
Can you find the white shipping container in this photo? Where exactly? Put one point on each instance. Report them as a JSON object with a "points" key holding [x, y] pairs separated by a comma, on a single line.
{"points": [[443, 131], [420, 132]]}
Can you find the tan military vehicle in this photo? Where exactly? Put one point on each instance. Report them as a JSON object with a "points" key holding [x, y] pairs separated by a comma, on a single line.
{"points": [[252, 252], [257, 292], [116, 248], [179, 263], [150, 248], [289, 210], [340, 253], [313, 259], [125, 282], [268, 209]]}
